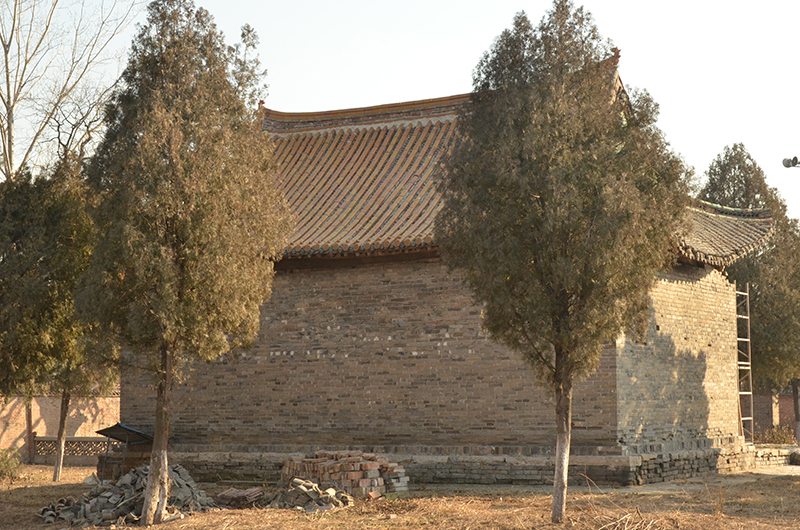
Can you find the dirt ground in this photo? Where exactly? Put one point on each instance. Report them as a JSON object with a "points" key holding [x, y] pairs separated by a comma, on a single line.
{"points": [[755, 500]]}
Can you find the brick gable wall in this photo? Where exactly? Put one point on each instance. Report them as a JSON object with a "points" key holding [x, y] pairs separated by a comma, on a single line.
{"points": [[677, 387], [391, 357], [387, 354]]}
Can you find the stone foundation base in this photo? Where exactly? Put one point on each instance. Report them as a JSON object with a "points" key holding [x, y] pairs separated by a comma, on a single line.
{"points": [[69, 460], [466, 468]]}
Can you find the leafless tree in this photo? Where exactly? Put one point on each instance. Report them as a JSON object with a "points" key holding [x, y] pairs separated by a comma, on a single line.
{"points": [[53, 53]]}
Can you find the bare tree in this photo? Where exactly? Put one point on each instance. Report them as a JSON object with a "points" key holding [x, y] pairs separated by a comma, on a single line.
{"points": [[52, 51]]}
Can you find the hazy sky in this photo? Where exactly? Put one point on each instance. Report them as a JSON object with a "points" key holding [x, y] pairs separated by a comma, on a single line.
{"points": [[722, 71]]}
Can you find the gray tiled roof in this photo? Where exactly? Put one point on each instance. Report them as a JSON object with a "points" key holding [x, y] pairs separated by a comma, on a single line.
{"points": [[719, 236], [363, 181]]}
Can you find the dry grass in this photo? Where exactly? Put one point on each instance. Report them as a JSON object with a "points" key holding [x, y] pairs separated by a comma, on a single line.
{"points": [[760, 503]]}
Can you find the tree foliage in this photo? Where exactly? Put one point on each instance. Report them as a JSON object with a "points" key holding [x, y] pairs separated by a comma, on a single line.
{"points": [[45, 243], [734, 179], [190, 216], [561, 201], [46, 237]]}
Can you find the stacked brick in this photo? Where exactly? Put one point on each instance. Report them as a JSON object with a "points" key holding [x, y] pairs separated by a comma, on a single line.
{"points": [[359, 474]]}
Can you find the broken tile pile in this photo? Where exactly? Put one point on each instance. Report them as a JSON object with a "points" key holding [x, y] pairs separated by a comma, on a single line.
{"points": [[236, 498], [121, 502], [307, 496], [357, 473]]}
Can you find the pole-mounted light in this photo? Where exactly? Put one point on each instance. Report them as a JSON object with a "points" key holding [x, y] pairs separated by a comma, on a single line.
{"points": [[790, 162]]}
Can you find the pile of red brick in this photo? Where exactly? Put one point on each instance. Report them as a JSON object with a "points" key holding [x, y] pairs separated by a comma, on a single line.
{"points": [[357, 473]]}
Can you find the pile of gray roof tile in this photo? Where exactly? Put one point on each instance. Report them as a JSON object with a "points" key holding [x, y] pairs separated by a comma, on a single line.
{"points": [[121, 503], [307, 496], [236, 498]]}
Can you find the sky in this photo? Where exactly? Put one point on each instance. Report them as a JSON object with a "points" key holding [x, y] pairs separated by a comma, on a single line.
{"points": [[722, 72]]}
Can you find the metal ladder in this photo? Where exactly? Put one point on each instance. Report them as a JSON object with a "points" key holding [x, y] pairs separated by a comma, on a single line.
{"points": [[746, 424]]}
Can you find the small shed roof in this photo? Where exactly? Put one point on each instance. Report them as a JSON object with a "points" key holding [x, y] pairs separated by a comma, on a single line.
{"points": [[123, 433], [363, 182]]}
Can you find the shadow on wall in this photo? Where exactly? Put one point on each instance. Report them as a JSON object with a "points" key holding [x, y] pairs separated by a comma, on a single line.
{"points": [[12, 424], [663, 399], [85, 417]]}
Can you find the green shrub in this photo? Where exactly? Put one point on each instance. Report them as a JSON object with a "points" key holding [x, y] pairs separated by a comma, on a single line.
{"points": [[9, 465], [778, 435]]}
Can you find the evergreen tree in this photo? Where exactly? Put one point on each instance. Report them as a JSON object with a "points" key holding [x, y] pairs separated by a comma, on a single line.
{"points": [[190, 216], [46, 237], [561, 202], [734, 179]]}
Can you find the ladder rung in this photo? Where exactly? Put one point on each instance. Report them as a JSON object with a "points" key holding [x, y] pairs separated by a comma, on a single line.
{"points": [[745, 393], [743, 340], [743, 364], [747, 418], [743, 317]]}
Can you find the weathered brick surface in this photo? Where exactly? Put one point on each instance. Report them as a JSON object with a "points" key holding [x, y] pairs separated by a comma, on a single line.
{"points": [[766, 409], [391, 358], [496, 469], [677, 388], [386, 354]]}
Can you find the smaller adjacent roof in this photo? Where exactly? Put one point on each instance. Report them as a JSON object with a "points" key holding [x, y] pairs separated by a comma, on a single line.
{"points": [[719, 235], [126, 434]]}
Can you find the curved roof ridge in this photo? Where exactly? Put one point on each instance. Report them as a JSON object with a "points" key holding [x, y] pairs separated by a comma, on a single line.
{"points": [[719, 235], [394, 114], [719, 209]]}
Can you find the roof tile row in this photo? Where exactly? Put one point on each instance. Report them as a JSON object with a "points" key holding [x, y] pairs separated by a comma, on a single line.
{"points": [[363, 181]]}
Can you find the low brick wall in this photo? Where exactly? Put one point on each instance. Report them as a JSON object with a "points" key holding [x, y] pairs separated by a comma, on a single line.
{"points": [[433, 466], [772, 456]]}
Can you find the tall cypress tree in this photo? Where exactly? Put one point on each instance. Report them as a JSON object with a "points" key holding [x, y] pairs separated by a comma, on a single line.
{"points": [[734, 179], [560, 202], [190, 217]]}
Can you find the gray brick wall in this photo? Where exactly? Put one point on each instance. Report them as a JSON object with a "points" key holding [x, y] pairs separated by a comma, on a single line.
{"points": [[384, 354], [392, 358], [677, 386], [766, 409]]}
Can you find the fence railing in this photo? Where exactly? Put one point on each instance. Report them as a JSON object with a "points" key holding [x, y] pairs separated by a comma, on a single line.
{"points": [[74, 445]]}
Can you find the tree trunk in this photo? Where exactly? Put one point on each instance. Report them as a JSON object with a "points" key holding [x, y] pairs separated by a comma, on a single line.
{"points": [[157, 490], [563, 440], [796, 396], [62, 434], [29, 430], [8, 155]]}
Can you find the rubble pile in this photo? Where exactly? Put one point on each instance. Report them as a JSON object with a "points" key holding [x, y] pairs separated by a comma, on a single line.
{"points": [[236, 498], [307, 496], [357, 473], [121, 502]]}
